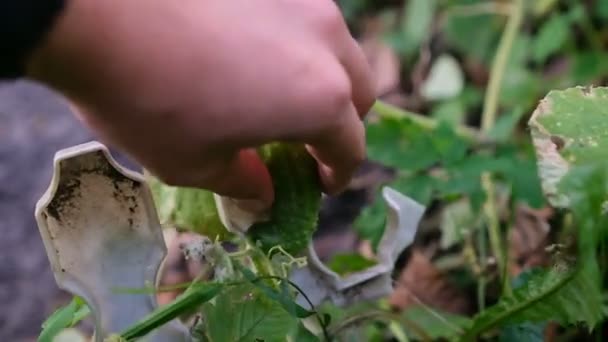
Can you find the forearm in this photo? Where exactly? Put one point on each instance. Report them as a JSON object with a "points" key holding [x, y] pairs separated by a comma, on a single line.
{"points": [[23, 25]]}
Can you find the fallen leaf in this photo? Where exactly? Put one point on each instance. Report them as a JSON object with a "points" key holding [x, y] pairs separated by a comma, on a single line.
{"points": [[528, 238], [421, 283]]}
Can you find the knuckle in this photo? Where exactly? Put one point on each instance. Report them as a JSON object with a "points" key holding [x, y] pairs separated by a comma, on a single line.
{"points": [[336, 91]]}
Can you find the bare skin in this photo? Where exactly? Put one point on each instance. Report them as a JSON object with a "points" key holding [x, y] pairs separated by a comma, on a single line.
{"points": [[189, 88]]}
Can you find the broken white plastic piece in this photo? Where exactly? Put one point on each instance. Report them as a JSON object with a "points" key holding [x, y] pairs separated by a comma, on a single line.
{"points": [[321, 283], [101, 233]]}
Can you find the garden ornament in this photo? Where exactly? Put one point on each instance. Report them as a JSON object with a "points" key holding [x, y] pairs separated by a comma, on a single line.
{"points": [[321, 283], [101, 233]]}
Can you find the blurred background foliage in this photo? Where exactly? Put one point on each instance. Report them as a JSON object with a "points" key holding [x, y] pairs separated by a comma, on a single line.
{"points": [[460, 144]]}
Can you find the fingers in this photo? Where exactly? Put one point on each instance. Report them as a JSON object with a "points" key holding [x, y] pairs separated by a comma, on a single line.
{"points": [[353, 60], [355, 63], [340, 152]]}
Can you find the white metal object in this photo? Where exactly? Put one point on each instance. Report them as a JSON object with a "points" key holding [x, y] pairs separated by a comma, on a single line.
{"points": [[320, 283], [101, 233]]}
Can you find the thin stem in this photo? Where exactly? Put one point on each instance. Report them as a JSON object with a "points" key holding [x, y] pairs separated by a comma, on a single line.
{"points": [[499, 66], [388, 111], [488, 120], [483, 258]]}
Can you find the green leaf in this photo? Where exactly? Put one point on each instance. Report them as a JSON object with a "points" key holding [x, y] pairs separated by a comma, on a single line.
{"points": [[417, 23], [601, 8], [567, 296], [523, 331], [569, 129], [587, 188], [452, 111], [344, 264], [62, 318], [588, 66], [244, 313], [400, 143], [284, 297], [505, 125], [476, 36], [551, 37], [187, 208], [520, 171], [371, 222]]}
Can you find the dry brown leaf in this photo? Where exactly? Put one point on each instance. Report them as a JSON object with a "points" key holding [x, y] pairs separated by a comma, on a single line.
{"points": [[422, 283], [528, 238]]}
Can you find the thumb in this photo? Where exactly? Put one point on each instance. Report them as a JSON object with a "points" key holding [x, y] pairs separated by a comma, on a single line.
{"points": [[243, 177]]}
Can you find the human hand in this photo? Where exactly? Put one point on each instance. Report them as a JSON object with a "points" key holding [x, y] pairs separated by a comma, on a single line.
{"points": [[190, 88]]}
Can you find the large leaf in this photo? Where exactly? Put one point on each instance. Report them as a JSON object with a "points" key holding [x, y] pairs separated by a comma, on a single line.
{"points": [[566, 296], [187, 208], [569, 128], [245, 314]]}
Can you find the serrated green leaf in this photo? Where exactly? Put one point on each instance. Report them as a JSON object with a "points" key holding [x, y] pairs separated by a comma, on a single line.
{"points": [[525, 331], [563, 295], [244, 313], [400, 143]]}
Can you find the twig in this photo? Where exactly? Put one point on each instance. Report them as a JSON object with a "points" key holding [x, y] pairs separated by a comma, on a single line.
{"points": [[499, 66], [388, 111], [488, 120]]}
